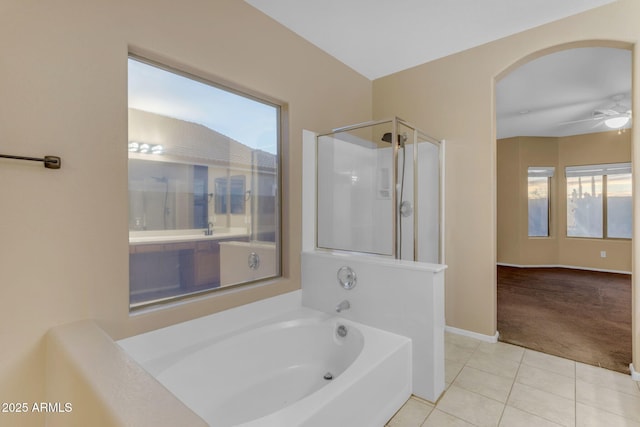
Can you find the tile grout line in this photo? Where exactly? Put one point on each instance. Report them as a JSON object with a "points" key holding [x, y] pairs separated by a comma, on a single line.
{"points": [[504, 404], [511, 388], [477, 347], [464, 365], [531, 413]]}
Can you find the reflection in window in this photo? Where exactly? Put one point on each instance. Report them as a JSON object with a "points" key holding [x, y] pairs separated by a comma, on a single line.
{"points": [[596, 193], [197, 206]]}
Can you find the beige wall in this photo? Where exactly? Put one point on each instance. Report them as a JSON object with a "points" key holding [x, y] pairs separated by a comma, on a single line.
{"points": [[63, 80], [453, 98], [514, 156]]}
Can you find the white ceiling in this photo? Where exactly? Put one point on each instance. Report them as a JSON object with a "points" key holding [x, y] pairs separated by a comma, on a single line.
{"points": [[538, 98], [381, 37]]}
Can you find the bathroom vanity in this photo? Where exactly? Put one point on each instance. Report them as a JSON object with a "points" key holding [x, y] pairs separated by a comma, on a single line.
{"points": [[165, 262]]}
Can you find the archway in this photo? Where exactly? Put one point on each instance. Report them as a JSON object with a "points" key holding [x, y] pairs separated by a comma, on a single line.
{"points": [[537, 158]]}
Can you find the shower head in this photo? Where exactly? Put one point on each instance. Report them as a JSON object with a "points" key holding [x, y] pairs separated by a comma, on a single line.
{"points": [[401, 138]]}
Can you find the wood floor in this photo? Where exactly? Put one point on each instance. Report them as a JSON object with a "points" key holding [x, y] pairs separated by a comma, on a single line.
{"points": [[580, 315]]}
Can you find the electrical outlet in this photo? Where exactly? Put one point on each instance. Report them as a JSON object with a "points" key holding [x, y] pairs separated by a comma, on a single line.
{"points": [[603, 254]]}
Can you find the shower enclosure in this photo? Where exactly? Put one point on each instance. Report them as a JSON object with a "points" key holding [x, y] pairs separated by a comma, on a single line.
{"points": [[380, 191]]}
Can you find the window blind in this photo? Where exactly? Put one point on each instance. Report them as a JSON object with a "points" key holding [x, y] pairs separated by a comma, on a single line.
{"points": [[541, 171], [591, 170]]}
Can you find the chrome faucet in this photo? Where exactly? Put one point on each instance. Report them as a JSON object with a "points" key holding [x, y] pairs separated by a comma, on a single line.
{"points": [[209, 230], [344, 305]]}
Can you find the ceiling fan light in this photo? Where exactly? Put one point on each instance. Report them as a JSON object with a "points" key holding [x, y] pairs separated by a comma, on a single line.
{"points": [[616, 122]]}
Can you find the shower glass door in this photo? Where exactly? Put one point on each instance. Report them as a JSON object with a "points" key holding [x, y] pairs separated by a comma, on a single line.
{"points": [[355, 194], [428, 202], [379, 190]]}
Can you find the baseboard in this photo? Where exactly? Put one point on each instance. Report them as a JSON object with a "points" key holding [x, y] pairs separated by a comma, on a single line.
{"points": [[486, 338], [603, 270], [635, 375]]}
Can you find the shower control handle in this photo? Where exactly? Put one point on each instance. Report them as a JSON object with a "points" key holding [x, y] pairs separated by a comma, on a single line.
{"points": [[347, 277]]}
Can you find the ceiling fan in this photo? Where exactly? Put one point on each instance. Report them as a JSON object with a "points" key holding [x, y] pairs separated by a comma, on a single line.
{"points": [[615, 116]]}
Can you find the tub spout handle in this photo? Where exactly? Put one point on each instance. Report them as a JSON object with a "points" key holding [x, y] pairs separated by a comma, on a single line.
{"points": [[344, 305]]}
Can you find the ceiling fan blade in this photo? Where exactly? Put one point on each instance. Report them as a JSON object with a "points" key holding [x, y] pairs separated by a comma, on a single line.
{"points": [[590, 119], [601, 115], [608, 112]]}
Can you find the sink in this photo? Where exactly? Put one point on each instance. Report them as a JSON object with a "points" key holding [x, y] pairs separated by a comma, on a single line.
{"points": [[161, 236]]}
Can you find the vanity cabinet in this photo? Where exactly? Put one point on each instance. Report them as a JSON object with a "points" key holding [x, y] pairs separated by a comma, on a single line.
{"points": [[206, 269], [200, 268], [156, 269], [168, 267]]}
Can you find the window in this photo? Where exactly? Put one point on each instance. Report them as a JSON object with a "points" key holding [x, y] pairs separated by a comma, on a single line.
{"points": [[199, 154], [230, 195], [538, 186], [599, 201]]}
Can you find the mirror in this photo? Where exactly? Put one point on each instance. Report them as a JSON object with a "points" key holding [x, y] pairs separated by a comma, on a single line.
{"points": [[177, 196]]}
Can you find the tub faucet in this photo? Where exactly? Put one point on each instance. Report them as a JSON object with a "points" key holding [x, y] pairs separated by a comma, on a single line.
{"points": [[344, 305]]}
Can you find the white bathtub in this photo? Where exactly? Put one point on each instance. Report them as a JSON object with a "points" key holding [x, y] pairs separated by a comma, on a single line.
{"points": [[272, 373]]}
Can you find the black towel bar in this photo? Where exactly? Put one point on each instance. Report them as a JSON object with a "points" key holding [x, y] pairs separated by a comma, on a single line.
{"points": [[50, 162]]}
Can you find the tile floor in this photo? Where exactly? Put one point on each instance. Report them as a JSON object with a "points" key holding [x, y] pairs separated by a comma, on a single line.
{"points": [[509, 386]]}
